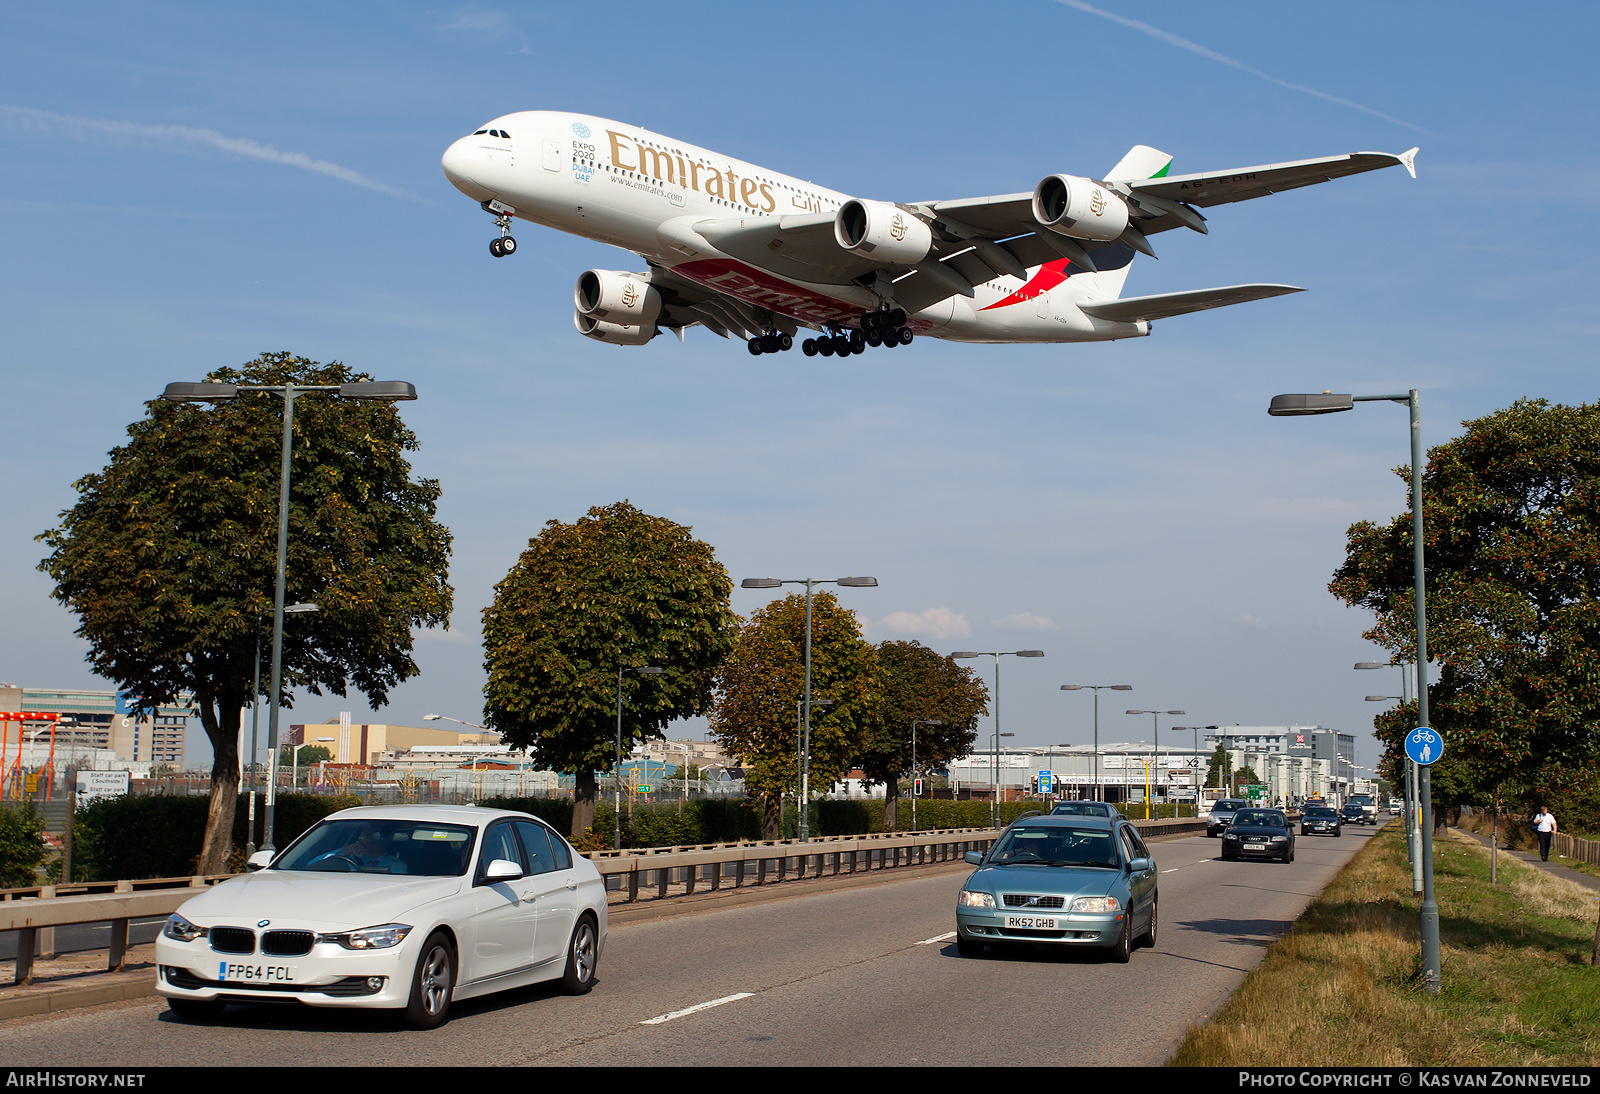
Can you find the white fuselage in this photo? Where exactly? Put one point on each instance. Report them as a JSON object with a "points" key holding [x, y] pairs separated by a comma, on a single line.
{"points": [[641, 191]]}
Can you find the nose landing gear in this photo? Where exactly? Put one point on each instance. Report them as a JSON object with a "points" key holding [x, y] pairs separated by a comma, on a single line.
{"points": [[505, 245]]}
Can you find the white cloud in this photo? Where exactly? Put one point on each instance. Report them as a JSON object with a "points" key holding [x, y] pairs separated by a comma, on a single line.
{"points": [[73, 125], [1252, 621], [1025, 621], [935, 623]]}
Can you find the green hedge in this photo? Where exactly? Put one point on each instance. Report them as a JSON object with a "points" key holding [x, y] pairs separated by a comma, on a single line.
{"points": [[22, 847], [160, 835]]}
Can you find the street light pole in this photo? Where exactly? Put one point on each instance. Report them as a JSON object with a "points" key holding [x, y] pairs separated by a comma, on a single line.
{"points": [[1329, 403], [994, 810], [804, 832], [255, 708], [1114, 687], [369, 390], [1413, 835], [1155, 728]]}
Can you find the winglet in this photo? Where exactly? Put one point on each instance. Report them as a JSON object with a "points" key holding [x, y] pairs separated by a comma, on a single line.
{"points": [[1410, 160]]}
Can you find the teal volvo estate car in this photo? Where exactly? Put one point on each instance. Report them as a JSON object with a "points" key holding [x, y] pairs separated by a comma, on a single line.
{"points": [[1060, 881]]}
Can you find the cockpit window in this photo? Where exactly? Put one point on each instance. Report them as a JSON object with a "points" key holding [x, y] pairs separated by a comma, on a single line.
{"points": [[492, 133], [480, 132]]}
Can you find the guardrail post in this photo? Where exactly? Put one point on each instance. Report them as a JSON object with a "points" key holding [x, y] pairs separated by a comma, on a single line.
{"points": [[119, 945], [47, 935], [783, 866], [26, 937], [688, 879], [738, 874], [633, 882], [761, 870], [663, 875]]}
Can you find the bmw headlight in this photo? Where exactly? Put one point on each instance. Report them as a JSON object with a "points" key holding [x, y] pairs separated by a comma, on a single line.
{"points": [[970, 899], [182, 930], [1097, 904], [370, 938]]}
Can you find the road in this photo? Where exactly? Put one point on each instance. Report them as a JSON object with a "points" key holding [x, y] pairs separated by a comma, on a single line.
{"points": [[862, 976]]}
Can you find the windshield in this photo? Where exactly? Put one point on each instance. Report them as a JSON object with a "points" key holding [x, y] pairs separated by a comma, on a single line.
{"points": [[1266, 817], [1319, 811], [366, 846], [1081, 809], [1226, 806], [1055, 846]]}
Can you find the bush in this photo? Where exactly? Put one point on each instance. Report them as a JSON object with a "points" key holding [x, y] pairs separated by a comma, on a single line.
{"points": [[160, 836], [21, 845]]}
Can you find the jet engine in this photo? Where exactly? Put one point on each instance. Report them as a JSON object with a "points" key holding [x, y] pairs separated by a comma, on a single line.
{"points": [[620, 299], [882, 232], [1081, 208], [617, 334]]}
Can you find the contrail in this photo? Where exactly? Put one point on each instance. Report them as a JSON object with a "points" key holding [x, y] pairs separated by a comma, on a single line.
{"points": [[243, 146], [1213, 55]]}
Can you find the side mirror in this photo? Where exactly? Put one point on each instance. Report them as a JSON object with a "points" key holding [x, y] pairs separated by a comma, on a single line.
{"points": [[1139, 865], [258, 861], [503, 869], [975, 857]]}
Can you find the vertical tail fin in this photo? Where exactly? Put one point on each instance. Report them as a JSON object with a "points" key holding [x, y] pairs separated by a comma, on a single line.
{"points": [[1142, 162]]}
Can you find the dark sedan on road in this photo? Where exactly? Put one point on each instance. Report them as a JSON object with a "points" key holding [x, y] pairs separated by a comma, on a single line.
{"points": [[1320, 820], [1352, 813], [1259, 833]]}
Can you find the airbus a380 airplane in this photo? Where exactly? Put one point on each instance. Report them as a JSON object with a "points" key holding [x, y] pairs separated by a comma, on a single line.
{"points": [[745, 251]]}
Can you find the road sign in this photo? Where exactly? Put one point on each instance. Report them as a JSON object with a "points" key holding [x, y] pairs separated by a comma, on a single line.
{"points": [[1044, 782], [644, 788], [1425, 745], [1255, 792]]}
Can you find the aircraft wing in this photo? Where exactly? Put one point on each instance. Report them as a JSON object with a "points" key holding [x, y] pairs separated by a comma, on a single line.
{"points": [[1166, 305], [1243, 183]]}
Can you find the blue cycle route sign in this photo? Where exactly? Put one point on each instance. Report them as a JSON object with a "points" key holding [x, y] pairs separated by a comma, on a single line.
{"points": [[1424, 745], [1045, 779]]}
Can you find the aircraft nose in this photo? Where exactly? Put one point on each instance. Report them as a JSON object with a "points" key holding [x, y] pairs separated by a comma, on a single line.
{"points": [[460, 160]]}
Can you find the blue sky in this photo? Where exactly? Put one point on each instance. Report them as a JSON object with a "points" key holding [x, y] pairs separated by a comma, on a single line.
{"points": [[184, 186]]}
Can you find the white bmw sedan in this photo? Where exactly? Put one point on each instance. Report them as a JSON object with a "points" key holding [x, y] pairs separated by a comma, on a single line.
{"points": [[403, 907]]}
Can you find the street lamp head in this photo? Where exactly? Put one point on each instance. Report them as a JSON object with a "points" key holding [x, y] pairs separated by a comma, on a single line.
{"points": [[1121, 687], [965, 653], [301, 609], [646, 670], [430, 717], [1138, 712], [199, 393], [760, 583], [384, 391], [821, 702], [1373, 664], [1071, 687], [1029, 653], [1285, 406], [858, 582], [1381, 698]]}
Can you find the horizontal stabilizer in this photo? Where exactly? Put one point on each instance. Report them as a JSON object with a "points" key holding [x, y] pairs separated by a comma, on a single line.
{"points": [[1166, 305]]}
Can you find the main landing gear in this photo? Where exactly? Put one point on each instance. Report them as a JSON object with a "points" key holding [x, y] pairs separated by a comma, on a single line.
{"points": [[505, 245], [770, 343], [878, 328]]}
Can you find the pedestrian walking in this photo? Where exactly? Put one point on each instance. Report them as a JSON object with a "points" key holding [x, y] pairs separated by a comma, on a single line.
{"points": [[1545, 825]]}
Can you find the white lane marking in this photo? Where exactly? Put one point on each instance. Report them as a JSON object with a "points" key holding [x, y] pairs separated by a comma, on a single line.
{"points": [[1174, 870], [941, 938], [670, 1015]]}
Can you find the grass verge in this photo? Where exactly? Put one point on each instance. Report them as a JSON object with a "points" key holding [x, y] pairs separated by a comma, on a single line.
{"points": [[1342, 988]]}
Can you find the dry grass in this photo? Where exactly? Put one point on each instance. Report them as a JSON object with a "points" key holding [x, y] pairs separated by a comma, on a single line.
{"points": [[1342, 988]]}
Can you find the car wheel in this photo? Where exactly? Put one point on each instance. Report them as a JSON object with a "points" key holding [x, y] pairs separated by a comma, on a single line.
{"points": [[1288, 856], [583, 955], [966, 947], [432, 984], [1124, 947], [1149, 937], [195, 1010]]}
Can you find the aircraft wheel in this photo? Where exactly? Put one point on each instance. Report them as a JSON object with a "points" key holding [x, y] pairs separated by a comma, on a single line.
{"points": [[495, 248], [508, 246], [786, 341], [841, 345], [897, 317], [858, 339], [891, 339], [809, 347], [770, 343], [905, 336], [825, 346], [755, 347]]}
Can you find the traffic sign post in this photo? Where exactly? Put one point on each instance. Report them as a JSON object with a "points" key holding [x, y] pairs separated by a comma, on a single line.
{"points": [[1045, 780]]}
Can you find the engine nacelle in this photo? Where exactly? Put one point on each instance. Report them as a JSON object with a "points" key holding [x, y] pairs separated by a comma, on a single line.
{"points": [[880, 231], [1081, 208], [616, 334], [620, 299]]}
